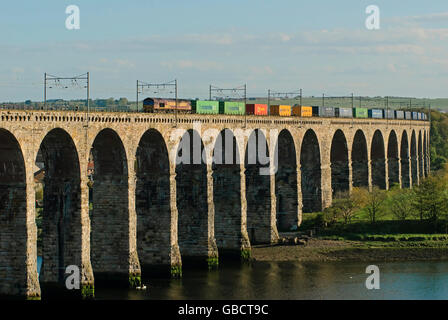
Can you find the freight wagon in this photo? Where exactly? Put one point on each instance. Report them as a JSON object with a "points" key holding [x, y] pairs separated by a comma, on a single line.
{"points": [[376, 113], [205, 107], [257, 109], [326, 112], [399, 114], [414, 115], [360, 113], [280, 110], [302, 111], [227, 107], [344, 112], [408, 115], [239, 108], [389, 114]]}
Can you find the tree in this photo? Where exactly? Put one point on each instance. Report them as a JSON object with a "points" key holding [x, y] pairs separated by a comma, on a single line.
{"points": [[329, 216], [431, 198], [401, 203], [345, 205], [372, 200], [123, 102]]}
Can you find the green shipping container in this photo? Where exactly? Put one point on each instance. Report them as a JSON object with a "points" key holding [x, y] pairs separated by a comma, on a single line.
{"points": [[205, 107], [360, 113], [227, 107]]}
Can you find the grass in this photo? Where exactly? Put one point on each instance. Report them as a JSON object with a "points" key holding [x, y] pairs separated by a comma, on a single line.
{"points": [[387, 230], [388, 237]]}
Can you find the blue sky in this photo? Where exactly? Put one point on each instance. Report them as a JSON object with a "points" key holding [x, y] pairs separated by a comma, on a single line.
{"points": [[321, 46]]}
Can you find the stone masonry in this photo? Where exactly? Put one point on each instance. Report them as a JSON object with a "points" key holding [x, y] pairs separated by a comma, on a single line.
{"points": [[146, 210]]}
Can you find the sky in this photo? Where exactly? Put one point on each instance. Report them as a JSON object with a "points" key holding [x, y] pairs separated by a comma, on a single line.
{"points": [[320, 46]]}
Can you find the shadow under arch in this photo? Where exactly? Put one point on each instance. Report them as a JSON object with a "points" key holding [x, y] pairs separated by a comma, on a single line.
{"points": [[393, 159], [378, 160], [258, 189], [360, 167], [13, 217], [425, 154], [404, 155], [340, 182], [110, 249], [61, 241], [152, 204], [421, 165], [286, 183], [414, 168], [192, 202], [310, 163], [231, 239]]}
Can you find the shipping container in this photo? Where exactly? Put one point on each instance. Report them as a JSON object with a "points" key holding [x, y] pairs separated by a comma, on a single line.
{"points": [[257, 109], [414, 115], [343, 112], [399, 114], [302, 111], [205, 107], [327, 112], [376, 113], [231, 107], [408, 115], [360, 113], [389, 114], [280, 110]]}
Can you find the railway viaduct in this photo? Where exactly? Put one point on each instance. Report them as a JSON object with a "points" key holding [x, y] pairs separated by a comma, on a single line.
{"points": [[143, 209]]}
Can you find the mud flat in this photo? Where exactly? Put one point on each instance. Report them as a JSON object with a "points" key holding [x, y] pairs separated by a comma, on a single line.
{"points": [[317, 250]]}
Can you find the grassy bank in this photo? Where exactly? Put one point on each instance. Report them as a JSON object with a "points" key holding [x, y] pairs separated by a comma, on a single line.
{"points": [[321, 250]]}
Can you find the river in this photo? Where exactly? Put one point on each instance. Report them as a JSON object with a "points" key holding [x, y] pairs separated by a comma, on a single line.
{"points": [[294, 280]]}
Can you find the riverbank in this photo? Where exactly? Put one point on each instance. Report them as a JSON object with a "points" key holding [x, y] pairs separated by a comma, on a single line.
{"points": [[320, 250]]}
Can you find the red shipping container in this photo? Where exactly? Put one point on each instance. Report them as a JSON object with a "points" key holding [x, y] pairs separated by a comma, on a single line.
{"points": [[257, 109]]}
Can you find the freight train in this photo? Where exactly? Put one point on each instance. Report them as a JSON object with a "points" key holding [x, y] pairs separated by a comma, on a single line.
{"points": [[159, 105]]}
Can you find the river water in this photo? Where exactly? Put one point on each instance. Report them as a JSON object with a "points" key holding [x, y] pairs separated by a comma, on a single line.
{"points": [[294, 280]]}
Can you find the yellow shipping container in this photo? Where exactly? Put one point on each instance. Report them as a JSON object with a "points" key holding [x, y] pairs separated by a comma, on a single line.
{"points": [[280, 110], [302, 111], [306, 111]]}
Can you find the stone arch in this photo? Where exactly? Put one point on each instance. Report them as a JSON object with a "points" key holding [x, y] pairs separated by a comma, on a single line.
{"points": [[227, 194], [414, 168], [286, 183], [13, 217], [61, 213], [425, 154], [258, 188], [360, 166], [310, 163], [192, 202], [404, 155], [152, 203], [378, 160], [109, 209], [393, 159], [421, 164], [339, 163]]}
